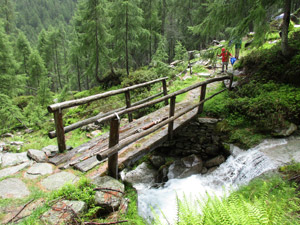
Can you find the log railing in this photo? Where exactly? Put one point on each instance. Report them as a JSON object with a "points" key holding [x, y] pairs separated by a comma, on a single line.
{"points": [[57, 108], [114, 146]]}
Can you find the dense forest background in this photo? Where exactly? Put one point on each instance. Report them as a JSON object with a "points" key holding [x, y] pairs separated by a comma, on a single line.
{"points": [[48, 48]]}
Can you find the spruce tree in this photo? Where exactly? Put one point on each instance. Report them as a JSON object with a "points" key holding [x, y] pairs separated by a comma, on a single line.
{"points": [[24, 50]]}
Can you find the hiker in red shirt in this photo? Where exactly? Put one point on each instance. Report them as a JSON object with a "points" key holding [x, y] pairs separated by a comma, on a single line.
{"points": [[225, 58]]}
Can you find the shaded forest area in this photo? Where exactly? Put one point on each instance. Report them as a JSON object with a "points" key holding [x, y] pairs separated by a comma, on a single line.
{"points": [[48, 48]]}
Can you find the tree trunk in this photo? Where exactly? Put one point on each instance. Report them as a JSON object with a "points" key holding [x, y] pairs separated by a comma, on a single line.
{"points": [[126, 40], [163, 17], [97, 50], [285, 27], [78, 74], [57, 65]]}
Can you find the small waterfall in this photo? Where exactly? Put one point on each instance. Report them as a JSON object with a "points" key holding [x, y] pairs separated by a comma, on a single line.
{"points": [[240, 168]]}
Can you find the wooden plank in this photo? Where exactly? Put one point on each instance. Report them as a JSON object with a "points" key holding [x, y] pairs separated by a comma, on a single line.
{"points": [[87, 164], [128, 105], [59, 127], [202, 97], [113, 140], [72, 103], [171, 114]]}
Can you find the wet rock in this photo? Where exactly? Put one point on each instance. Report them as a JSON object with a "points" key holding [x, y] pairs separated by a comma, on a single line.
{"points": [[65, 214], [142, 174], [58, 180], [13, 188], [185, 167], [12, 170], [285, 132], [7, 135], [39, 169], [157, 161], [36, 155], [215, 161], [110, 197], [212, 150], [12, 159], [204, 170], [162, 175]]}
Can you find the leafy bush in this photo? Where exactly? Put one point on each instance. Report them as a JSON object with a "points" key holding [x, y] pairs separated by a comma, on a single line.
{"points": [[22, 101], [139, 76]]}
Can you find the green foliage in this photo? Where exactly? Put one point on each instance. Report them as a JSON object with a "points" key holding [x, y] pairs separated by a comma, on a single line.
{"points": [[35, 114], [83, 191], [261, 202], [180, 52], [10, 114], [139, 76], [22, 101]]}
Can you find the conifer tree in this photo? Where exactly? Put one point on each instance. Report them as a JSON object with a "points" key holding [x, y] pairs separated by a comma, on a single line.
{"points": [[10, 82], [127, 27], [24, 50], [36, 69], [91, 24]]}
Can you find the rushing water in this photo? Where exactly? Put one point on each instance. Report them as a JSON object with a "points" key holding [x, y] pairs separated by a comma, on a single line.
{"points": [[239, 168]]}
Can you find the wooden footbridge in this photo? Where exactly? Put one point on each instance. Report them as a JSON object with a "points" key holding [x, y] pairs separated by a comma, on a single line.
{"points": [[124, 145]]}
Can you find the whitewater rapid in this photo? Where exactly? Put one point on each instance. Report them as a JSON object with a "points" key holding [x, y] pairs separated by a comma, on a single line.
{"points": [[240, 168]]}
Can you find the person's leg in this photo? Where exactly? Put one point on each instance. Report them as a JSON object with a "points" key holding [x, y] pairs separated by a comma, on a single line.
{"points": [[226, 63], [237, 53], [223, 64]]}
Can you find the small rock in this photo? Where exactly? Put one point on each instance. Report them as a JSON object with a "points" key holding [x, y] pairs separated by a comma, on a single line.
{"points": [[36, 155], [13, 188], [17, 143], [142, 174], [65, 213], [12, 159], [204, 74], [208, 120], [2, 145], [90, 127], [157, 161], [38, 169], [7, 135], [12, 170], [95, 133], [215, 161], [50, 150], [58, 180], [109, 200], [28, 131], [204, 170]]}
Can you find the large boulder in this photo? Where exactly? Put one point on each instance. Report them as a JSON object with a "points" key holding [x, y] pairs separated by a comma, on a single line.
{"points": [[13, 188], [38, 169], [109, 193], [12, 159], [157, 161], [37, 155], [216, 161], [67, 213], [12, 170], [58, 180], [142, 174], [285, 132], [185, 167]]}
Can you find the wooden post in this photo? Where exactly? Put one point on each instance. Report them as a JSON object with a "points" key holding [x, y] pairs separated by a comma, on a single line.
{"points": [[164, 83], [171, 113], [230, 83], [202, 97], [60, 133], [113, 140], [128, 105]]}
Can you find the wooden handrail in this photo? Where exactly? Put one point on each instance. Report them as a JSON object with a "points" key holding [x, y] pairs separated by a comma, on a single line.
{"points": [[99, 118], [57, 108], [76, 102], [113, 150]]}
